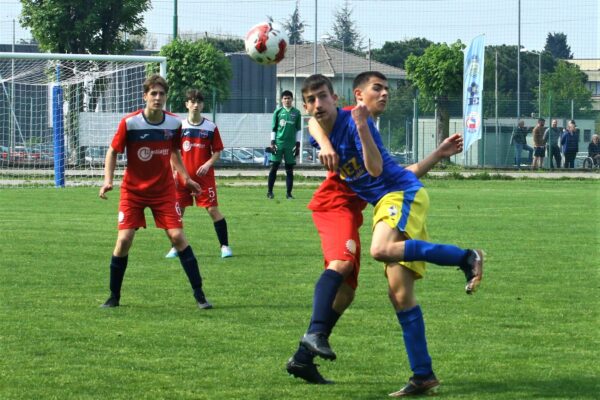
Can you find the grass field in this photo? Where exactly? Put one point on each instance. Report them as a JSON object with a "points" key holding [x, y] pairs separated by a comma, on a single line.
{"points": [[531, 332]]}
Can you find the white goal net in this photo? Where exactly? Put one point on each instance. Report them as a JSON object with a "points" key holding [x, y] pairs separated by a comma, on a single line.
{"points": [[58, 114]]}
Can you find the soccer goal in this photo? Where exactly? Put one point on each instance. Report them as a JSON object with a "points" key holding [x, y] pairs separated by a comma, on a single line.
{"points": [[59, 112]]}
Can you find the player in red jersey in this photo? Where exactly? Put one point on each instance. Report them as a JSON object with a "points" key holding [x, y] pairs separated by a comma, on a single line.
{"points": [[151, 138], [201, 148], [337, 214]]}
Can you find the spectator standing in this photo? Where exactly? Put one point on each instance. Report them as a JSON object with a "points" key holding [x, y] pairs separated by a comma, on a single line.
{"points": [[552, 138], [519, 141], [539, 145], [569, 142]]}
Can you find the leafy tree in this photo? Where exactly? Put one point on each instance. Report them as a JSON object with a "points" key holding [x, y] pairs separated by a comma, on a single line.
{"points": [[80, 26], [83, 26], [196, 64], [226, 45], [396, 53], [556, 44], [398, 111], [566, 83], [344, 30], [507, 80], [438, 76], [295, 27]]}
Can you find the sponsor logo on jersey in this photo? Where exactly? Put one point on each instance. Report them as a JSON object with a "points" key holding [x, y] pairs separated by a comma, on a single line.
{"points": [[144, 136], [282, 122], [145, 153], [187, 145]]}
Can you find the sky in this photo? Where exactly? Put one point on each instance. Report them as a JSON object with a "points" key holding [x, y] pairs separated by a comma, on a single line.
{"points": [[377, 21]]}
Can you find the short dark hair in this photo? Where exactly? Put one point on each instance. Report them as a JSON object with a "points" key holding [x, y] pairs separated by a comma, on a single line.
{"points": [[315, 81], [364, 77], [541, 120], [155, 79], [194, 94], [287, 93]]}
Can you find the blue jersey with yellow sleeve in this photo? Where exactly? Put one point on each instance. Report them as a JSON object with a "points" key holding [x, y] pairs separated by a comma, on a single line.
{"points": [[346, 142]]}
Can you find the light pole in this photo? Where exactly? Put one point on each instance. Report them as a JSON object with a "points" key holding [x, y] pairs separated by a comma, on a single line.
{"points": [[539, 54], [330, 39]]}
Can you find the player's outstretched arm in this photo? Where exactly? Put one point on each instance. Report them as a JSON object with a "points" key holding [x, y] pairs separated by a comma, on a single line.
{"points": [[450, 146], [327, 155], [178, 164], [109, 172], [371, 154]]}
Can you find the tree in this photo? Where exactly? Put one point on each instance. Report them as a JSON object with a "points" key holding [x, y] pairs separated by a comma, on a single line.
{"points": [[295, 27], [83, 26], [438, 76], [396, 53], [565, 84], [556, 44], [195, 64], [80, 26], [344, 30], [398, 112]]}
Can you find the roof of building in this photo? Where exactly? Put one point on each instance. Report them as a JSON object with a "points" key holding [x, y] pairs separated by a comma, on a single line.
{"points": [[331, 62]]}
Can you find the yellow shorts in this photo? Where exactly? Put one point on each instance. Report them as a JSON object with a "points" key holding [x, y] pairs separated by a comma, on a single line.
{"points": [[407, 212]]}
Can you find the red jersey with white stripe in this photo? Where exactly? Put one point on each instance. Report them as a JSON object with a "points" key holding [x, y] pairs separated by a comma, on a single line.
{"points": [[198, 143], [149, 146]]}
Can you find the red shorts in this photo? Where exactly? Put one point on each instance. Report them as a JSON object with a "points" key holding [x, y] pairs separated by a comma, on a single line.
{"points": [[166, 212], [206, 198]]}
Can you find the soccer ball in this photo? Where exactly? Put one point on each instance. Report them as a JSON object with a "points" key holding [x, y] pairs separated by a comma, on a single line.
{"points": [[266, 43]]}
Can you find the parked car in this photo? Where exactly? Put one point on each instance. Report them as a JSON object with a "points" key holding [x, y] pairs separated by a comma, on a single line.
{"points": [[95, 156], [20, 153]]}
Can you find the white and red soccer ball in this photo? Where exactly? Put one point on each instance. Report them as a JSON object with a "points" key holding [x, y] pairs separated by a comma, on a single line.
{"points": [[266, 43]]}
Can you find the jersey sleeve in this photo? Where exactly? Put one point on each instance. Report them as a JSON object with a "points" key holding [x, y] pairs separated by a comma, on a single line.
{"points": [[217, 143], [177, 139], [274, 121], [120, 139]]}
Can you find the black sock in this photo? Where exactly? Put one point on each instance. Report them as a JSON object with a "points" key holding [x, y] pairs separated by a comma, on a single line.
{"points": [[221, 229], [118, 265], [272, 176], [289, 179], [190, 266]]}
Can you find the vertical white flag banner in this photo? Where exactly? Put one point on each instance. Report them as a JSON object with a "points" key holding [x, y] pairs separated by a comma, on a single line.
{"points": [[473, 89]]}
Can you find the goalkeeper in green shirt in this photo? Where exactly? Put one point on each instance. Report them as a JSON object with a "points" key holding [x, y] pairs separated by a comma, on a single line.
{"points": [[285, 142]]}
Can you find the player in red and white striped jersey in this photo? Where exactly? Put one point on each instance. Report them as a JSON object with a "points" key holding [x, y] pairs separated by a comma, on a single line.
{"points": [[201, 148], [151, 138]]}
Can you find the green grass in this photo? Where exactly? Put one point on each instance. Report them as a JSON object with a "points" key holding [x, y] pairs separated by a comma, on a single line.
{"points": [[531, 332]]}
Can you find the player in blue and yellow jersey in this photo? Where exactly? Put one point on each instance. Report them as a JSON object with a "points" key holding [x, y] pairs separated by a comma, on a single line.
{"points": [[285, 143], [399, 228], [201, 148], [151, 138]]}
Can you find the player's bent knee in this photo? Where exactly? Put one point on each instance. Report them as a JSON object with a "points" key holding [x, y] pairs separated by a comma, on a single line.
{"points": [[379, 252], [342, 267]]}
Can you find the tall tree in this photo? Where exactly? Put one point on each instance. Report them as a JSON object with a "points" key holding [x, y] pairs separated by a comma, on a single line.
{"points": [[562, 87], [396, 53], [344, 30], [295, 27], [438, 76], [195, 64], [556, 44], [82, 26]]}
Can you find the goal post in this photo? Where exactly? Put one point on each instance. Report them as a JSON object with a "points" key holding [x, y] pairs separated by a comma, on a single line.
{"points": [[58, 113]]}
